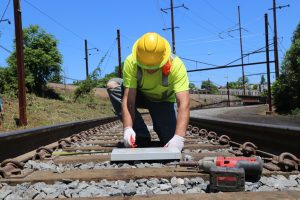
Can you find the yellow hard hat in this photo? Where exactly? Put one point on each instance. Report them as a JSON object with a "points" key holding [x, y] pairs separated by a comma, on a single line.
{"points": [[151, 51]]}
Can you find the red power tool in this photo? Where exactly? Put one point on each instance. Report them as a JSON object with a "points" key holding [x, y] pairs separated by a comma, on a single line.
{"points": [[252, 165], [228, 174]]}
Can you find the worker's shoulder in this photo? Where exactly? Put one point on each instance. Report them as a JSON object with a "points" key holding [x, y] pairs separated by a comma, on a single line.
{"points": [[178, 65], [130, 62], [130, 65], [130, 59]]}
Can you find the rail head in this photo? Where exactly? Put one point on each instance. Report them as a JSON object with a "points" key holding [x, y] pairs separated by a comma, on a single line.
{"points": [[248, 124], [272, 138], [19, 142]]}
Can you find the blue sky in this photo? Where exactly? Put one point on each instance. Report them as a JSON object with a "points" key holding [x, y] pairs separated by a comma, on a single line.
{"points": [[197, 38]]}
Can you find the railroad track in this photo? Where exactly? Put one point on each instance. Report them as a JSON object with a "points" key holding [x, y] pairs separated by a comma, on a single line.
{"points": [[73, 161]]}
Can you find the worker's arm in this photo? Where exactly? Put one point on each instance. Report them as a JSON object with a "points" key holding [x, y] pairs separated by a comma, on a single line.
{"points": [[128, 116], [128, 107], [183, 104]]}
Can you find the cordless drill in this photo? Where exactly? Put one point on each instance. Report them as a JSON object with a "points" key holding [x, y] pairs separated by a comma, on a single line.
{"points": [[252, 165], [229, 173]]}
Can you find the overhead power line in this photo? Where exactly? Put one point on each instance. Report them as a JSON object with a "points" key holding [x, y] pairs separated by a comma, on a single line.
{"points": [[107, 55], [280, 41], [57, 22], [205, 20], [263, 73], [227, 66], [218, 11], [171, 8], [248, 54], [218, 40], [199, 24], [196, 61], [5, 10], [160, 13], [9, 51]]}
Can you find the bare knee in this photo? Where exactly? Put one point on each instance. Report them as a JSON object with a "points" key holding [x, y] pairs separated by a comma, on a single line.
{"points": [[112, 84]]}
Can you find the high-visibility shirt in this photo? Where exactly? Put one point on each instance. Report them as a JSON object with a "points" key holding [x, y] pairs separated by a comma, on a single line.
{"points": [[151, 86]]}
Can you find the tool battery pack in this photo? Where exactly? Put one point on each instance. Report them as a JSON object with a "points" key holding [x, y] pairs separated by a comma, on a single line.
{"points": [[227, 179]]}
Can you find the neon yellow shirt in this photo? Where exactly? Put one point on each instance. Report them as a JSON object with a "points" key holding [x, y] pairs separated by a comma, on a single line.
{"points": [[151, 84]]}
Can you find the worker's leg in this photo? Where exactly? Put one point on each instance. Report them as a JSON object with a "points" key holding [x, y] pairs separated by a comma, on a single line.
{"points": [[115, 91], [164, 117]]}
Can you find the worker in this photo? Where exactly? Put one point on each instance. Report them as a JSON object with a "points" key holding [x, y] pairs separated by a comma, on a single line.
{"points": [[155, 79]]}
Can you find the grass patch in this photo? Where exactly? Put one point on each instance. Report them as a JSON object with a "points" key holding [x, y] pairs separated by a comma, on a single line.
{"points": [[296, 112], [50, 111]]}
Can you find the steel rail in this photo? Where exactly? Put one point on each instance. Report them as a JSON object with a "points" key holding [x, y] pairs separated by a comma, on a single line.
{"points": [[275, 139], [15, 143], [211, 196]]}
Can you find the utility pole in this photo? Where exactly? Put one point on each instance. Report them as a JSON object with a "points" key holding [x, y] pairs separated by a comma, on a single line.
{"points": [[86, 59], [172, 26], [276, 38], [20, 63], [268, 64], [172, 22], [228, 99], [275, 41], [241, 47], [119, 53]]}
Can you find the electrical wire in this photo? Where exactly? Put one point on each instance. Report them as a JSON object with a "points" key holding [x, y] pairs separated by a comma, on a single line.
{"points": [[199, 24], [128, 37], [220, 40], [282, 46], [220, 13], [113, 46], [197, 38], [203, 19], [248, 54], [262, 73], [163, 19], [5, 10], [196, 61], [5, 49], [277, 40], [57, 22]]}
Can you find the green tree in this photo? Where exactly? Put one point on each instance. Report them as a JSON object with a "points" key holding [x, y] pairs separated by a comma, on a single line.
{"points": [[209, 86], [233, 85], [2, 80], [86, 87], [102, 82], [255, 87], [42, 60], [240, 81], [286, 89], [8, 81], [262, 80], [192, 86]]}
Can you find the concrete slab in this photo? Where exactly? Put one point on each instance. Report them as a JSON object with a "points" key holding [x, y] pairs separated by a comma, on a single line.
{"points": [[135, 154]]}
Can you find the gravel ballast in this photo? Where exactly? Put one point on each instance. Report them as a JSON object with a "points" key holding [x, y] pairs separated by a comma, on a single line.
{"points": [[152, 186]]}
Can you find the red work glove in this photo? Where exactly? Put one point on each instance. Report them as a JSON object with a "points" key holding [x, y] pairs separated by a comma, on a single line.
{"points": [[129, 137], [176, 142]]}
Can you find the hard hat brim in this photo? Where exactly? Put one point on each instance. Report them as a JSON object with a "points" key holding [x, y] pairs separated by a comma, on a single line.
{"points": [[164, 61]]}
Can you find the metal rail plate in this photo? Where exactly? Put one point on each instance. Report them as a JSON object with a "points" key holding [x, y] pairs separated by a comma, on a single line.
{"points": [[134, 154]]}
